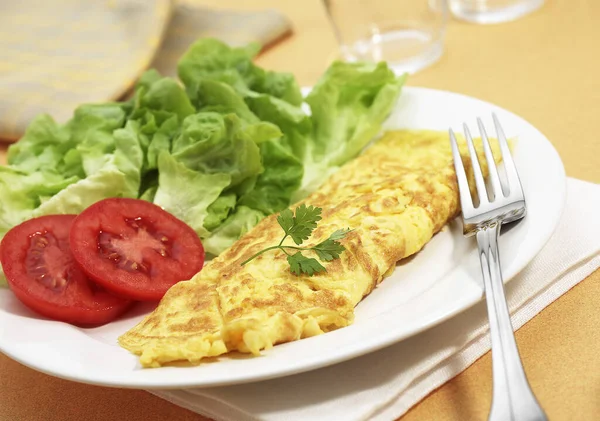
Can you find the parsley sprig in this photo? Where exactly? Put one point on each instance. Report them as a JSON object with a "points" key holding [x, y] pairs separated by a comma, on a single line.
{"points": [[299, 225]]}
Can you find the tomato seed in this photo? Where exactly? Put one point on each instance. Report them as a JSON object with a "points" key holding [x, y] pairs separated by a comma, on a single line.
{"points": [[126, 250], [45, 261]]}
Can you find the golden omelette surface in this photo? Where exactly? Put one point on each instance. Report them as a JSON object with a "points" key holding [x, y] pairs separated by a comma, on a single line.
{"points": [[395, 197]]}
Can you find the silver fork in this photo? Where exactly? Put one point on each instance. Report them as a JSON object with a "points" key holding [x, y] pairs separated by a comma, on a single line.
{"points": [[512, 398]]}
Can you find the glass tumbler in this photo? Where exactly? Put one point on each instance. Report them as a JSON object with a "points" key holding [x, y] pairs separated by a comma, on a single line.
{"points": [[493, 11], [407, 34]]}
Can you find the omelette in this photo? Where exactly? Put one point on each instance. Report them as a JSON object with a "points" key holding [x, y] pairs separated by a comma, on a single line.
{"points": [[394, 198]]}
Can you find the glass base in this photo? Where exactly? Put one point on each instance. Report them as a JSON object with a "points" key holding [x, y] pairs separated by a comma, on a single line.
{"points": [[417, 63], [490, 11], [406, 50]]}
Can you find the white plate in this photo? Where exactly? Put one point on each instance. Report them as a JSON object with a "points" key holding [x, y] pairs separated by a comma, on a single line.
{"points": [[439, 282]]}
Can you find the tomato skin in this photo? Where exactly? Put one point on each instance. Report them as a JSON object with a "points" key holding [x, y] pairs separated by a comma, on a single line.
{"points": [[74, 299], [134, 248], [74, 315]]}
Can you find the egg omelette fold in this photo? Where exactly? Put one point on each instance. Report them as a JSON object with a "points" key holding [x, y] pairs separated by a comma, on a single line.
{"points": [[395, 197]]}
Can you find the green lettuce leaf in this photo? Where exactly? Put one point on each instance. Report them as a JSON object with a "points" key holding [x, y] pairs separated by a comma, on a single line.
{"points": [[108, 117], [219, 97], [211, 59], [281, 178], [43, 145], [24, 196], [149, 193], [91, 133], [109, 181], [236, 225], [129, 158], [161, 141], [21, 193], [213, 143], [219, 210], [189, 204], [163, 94], [293, 122], [348, 107], [349, 104], [214, 60]]}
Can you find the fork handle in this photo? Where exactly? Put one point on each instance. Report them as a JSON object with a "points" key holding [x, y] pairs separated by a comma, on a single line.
{"points": [[512, 398]]}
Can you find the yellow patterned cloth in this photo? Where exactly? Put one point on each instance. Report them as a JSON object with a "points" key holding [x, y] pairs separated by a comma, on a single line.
{"points": [[57, 54]]}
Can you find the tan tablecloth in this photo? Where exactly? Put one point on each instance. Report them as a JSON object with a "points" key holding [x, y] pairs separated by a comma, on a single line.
{"points": [[546, 68]]}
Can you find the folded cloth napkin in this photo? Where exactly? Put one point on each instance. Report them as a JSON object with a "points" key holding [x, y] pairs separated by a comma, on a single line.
{"points": [[191, 21], [385, 384], [56, 55]]}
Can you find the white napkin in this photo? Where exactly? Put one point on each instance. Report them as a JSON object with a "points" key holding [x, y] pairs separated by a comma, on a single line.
{"points": [[385, 384]]}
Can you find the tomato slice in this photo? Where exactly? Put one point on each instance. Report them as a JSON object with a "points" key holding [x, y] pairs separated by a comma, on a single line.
{"points": [[42, 273], [134, 248]]}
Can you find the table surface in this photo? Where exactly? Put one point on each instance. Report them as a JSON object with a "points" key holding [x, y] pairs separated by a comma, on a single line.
{"points": [[544, 67]]}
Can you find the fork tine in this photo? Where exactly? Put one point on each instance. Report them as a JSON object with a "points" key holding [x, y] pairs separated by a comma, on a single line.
{"points": [[477, 174], [493, 171], [466, 202], [514, 184]]}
